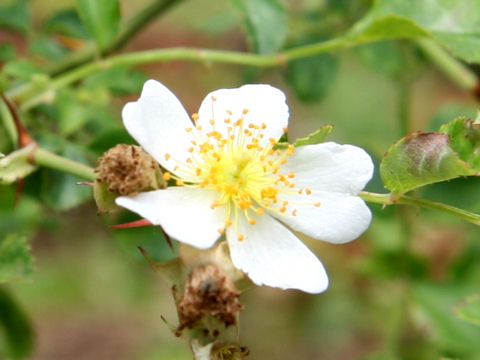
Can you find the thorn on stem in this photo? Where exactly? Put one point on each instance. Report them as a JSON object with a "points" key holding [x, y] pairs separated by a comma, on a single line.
{"points": [[24, 137]]}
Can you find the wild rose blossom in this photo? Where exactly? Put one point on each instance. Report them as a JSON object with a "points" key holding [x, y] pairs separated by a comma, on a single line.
{"points": [[233, 180]]}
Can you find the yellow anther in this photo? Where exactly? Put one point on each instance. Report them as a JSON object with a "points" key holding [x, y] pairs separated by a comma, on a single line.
{"points": [[228, 223], [167, 176], [212, 122], [229, 112], [252, 221], [294, 212], [188, 129], [273, 141], [285, 129], [227, 121], [176, 168], [318, 204], [199, 127], [238, 122], [308, 191], [269, 193], [189, 160], [291, 175], [245, 111], [283, 209], [221, 231], [179, 182], [241, 237], [198, 171], [264, 126], [260, 211], [214, 98], [190, 149], [167, 156], [195, 116]]}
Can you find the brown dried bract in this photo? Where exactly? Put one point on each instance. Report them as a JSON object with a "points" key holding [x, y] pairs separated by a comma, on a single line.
{"points": [[208, 291], [126, 169]]}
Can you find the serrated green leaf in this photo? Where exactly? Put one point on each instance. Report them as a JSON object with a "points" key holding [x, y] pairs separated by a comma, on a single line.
{"points": [[101, 18], [469, 309], [16, 165], [266, 23], [465, 140], [316, 137], [15, 259], [15, 16], [16, 326], [420, 159], [454, 24], [312, 77]]}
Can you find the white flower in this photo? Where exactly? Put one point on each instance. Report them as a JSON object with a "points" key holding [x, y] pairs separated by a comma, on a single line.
{"points": [[233, 181]]}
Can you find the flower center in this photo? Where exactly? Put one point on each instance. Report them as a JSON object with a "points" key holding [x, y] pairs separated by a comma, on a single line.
{"points": [[242, 166]]}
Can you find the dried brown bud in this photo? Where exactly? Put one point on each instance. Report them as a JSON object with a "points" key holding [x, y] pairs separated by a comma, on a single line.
{"points": [[208, 291], [127, 169]]}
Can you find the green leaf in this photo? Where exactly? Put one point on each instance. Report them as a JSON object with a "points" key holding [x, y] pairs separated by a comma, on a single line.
{"points": [[465, 140], [316, 137], [266, 23], [15, 16], [16, 165], [7, 52], [383, 56], [313, 76], [47, 47], [469, 309], [66, 23], [15, 259], [454, 24], [420, 159], [60, 190], [101, 18], [21, 69], [119, 80], [18, 331], [435, 303]]}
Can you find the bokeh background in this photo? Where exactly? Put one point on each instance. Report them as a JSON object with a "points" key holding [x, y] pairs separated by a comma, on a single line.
{"points": [[92, 295]]}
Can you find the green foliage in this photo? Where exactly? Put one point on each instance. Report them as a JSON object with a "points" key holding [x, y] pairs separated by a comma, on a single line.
{"points": [[60, 190], [17, 329], [16, 165], [454, 24], [14, 15], [425, 158], [15, 259], [316, 137], [420, 159], [266, 23], [102, 19], [66, 23], [120, 80], [312, 77], [469, 309]]}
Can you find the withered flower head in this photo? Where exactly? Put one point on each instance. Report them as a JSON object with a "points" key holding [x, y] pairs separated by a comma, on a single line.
{"points": [[127, 169], [208, 291]]}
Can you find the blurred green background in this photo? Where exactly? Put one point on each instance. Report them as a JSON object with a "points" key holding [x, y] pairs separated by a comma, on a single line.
{"points": [[393, 292]]}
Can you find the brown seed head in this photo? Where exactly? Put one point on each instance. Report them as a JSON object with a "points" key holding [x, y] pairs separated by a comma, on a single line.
{"points": [[126, 169], [208, 291]]}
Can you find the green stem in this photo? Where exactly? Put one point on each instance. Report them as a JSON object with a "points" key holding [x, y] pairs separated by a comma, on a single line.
{"points": [[454, 69], [29, 95], [130, 29], [390, 199], [45, 158]]}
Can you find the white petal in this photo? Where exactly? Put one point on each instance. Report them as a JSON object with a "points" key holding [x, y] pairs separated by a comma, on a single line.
{"points": [[184, 213], [330, 167], [264, 103], [157, 121], [339, 219], [271, 255]]}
